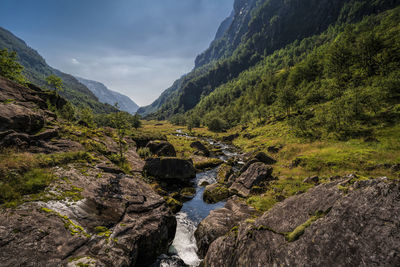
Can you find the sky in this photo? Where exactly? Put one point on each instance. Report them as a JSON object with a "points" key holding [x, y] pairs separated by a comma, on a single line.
{"points": [[135, 47]]}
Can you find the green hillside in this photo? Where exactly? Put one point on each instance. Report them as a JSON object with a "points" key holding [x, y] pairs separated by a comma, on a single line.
{"points": [[36, 70], [344, 82], [273, 25]]}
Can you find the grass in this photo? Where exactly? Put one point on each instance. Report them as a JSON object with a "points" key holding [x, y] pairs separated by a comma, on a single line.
{"points": [[322, 157], [277, 191], [202, 163], [25, 174]]}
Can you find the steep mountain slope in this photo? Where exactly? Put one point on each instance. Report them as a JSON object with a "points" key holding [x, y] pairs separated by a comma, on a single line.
{"points": [[272, 25], [108, 96], [36, 70]]}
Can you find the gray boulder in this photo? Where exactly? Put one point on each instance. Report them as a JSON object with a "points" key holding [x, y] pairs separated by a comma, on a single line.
{"points": [[161, 148], [220, 222], [326, 226], [169, 168], [256, 173], [201, 149]]}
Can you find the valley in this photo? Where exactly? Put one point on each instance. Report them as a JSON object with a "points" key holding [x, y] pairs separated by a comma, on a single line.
{"points": [[281, 147]]}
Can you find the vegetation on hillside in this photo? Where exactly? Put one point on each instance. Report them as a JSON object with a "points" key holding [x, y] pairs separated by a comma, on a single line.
{"points": [[36, 70], [342, 83], [274, 25]]}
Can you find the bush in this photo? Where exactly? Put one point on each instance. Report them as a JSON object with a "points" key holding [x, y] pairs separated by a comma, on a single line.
{"points": [[217, 125]]}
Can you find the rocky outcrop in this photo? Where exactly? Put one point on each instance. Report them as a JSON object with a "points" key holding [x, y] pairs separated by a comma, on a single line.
{"points": [[215, 193], [115, 220], [220, 222], [169, 168], [23, 116], [20, 118], [256, 173], [161, 148], [201, 149], [343, 223]]}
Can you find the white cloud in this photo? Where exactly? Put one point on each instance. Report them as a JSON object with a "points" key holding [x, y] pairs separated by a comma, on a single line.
{"points": [[74, 61]]}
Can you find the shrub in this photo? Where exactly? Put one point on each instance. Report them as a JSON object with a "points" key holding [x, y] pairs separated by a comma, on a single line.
{"points": [[144, 152], [217, 125]]}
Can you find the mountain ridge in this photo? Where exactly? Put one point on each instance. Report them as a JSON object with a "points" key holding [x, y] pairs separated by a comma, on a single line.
{"points": [[108, 96], [269, 29], [36, 70]]}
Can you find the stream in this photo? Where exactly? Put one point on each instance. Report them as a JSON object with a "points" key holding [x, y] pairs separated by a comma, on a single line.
{"points": [[184, 246]]}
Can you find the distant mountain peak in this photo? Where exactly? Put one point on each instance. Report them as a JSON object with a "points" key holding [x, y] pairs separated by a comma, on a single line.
{"points": [[108, 96]]}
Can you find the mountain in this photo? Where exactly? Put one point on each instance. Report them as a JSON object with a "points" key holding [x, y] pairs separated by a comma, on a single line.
{"points": [[257, 30], [36, 70], [108, 96]]}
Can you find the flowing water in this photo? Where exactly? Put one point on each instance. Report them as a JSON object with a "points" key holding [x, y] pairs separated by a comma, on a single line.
{"points": [[192, 213]]}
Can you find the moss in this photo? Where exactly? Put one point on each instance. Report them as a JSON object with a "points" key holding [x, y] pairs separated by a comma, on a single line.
{"points": [[299, 230], [188, 192], [224, 171], [73, 228], [277, 191], [216, 194], [102, 231], [207, 163], [174, 204]]}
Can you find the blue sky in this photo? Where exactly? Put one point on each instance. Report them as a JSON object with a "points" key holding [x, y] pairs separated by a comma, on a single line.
{"points": [[136, 47]]}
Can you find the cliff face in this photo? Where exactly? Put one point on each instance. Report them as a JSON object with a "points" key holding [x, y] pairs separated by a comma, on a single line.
{"points": [[108, 96], [229, 33], [258, 28]]}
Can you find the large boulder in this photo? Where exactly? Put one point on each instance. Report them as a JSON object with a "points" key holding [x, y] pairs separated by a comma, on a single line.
{"points": [[214, 193], [343, 223], [264, 158], [161, 148], [201, 149], [116, 220], [169, 168], [20, 119], [220, 222], [256, 173]]}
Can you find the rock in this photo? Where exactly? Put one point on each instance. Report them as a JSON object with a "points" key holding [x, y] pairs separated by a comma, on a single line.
{"points": [[311, 180], [247, 165], [274, 149], [169, 168], [249, 136], [19, 140], [46, 134], [220, 222], [20, 119], [230, 138], [295, 163], [330, 228], [161, 148], [204, 183], [224, 171], [257, 172], [395, 168], [264, 158], [109, 168], [188, 193], [119, 221], [202, 163], [215, 193], [201, 148], [174, 204]]}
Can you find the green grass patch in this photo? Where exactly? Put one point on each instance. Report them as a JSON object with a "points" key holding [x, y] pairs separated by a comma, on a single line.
{"points": [[276, 191]]}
